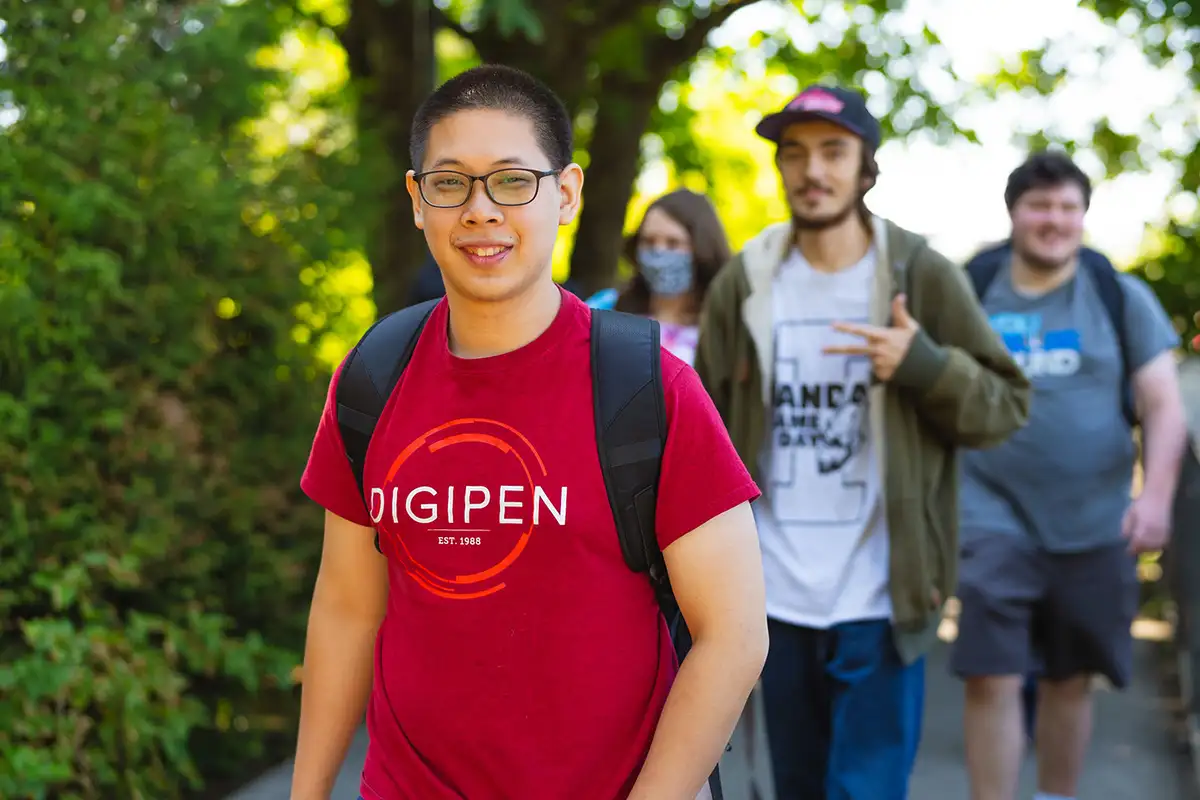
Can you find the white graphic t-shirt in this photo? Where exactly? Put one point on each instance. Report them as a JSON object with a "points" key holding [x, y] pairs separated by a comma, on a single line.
{"points": [[823, 535]]}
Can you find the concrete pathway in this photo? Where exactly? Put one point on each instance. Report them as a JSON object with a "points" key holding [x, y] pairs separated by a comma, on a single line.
{"points": [[1134, 755]]}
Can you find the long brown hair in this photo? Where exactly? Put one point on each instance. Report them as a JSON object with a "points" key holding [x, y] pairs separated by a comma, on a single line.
{"points": [[710, 247]]}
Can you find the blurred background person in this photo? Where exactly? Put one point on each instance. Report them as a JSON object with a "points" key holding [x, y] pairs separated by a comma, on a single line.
{"points": [[677, 249]]}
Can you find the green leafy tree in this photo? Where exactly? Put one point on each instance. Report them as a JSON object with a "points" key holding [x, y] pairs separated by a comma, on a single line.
{"points": [[161, 285], [609, 60], [1168, 32]]}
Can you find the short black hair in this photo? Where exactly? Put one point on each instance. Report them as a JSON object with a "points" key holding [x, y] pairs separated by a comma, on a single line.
{"points": [[501, 88], [1044, 169]]}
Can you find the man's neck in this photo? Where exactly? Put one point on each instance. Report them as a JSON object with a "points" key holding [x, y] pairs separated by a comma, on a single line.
{"points": [[837, 247], [675, 309], [483, 329], [1033, 281]]}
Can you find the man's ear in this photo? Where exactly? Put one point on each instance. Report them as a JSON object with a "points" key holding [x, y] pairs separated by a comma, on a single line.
{"points": [[414, 192], [570, 192]]}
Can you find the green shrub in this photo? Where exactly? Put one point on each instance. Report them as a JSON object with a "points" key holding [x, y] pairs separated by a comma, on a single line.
{"points": [[158, 395]]}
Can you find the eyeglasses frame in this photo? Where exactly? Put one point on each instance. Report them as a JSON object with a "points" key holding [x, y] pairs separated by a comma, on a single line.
{"points": [[539, 174]]}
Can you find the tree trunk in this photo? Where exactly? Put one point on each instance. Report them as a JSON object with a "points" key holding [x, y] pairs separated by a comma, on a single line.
{"points": [[622, 115], [390, 50]]}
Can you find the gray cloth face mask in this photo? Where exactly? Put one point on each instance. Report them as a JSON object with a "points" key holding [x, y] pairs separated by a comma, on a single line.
{"points": [[668, 272]]}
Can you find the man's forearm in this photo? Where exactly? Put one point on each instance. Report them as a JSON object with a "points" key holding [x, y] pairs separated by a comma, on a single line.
{"points": [[336, 683], [1164, 437], [698, 719]]}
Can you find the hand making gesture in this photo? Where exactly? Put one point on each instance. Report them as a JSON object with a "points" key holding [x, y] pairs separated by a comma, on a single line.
{"points": [[886, 346]]}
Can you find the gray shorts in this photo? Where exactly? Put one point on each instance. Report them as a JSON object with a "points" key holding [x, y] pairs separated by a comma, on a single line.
{"points": [[1059, 614]]}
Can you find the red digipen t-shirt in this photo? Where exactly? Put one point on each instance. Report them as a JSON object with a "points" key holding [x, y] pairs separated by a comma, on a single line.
{"points": [[519, 657]]}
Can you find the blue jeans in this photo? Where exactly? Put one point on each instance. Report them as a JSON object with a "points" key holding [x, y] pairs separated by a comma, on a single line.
{"points": [[844, 713]]}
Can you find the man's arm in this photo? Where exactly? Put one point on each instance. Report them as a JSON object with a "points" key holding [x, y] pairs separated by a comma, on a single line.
{"points": [[712, 347], [961, 378], [1164, 427], [716, 572], [347, 607]]}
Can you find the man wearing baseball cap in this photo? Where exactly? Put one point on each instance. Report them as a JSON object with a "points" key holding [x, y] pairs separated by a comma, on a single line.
{"points": [[850, 361]]}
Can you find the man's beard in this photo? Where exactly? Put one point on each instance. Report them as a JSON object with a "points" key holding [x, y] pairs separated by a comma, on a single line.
{"points": [[1043, 265], [827, 221]]}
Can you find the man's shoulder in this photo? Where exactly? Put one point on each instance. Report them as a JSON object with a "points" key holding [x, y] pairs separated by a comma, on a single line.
{"points": [[930, 267], [731, 279], [673, 368], [1135, 290], [1135, 285], [912, 249]]}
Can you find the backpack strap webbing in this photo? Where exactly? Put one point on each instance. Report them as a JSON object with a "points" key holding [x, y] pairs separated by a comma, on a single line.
{"points": [[370, 374], [1112, 295], [631, 436], [631, 433]]}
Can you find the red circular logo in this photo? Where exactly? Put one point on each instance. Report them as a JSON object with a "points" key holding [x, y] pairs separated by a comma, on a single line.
{"points": [[442, 538]]}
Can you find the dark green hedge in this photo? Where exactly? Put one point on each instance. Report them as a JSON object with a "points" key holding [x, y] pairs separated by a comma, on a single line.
{"points": [[157, 399]]}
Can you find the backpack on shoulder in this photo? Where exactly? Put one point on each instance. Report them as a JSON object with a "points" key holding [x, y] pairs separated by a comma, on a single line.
{"points": [[631, 428]]}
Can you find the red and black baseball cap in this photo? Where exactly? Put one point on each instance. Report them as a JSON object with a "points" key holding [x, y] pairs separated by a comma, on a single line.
{"points": [[844, 107]]}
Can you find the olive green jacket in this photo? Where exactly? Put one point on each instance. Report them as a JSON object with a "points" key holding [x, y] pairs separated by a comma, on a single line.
{"points": [[956, 387]]}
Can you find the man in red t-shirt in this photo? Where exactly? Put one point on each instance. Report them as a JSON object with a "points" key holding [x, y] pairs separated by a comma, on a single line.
{"points": [[503, 649]]}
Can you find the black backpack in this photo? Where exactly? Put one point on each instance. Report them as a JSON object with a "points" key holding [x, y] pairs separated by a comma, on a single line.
{"points": [[631, 428], [983, 268]]}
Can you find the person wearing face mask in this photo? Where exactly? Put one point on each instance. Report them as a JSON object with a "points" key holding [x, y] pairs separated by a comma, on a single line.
{"points": [[676, 250], [1048, 580]]}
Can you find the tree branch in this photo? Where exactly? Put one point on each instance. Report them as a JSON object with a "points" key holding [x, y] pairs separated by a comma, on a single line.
{"points": [[666, 53]]}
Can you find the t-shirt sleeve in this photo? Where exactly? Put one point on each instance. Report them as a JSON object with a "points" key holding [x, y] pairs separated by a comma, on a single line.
{"points": [[702, 475], [1148, 329], [327, 479]]}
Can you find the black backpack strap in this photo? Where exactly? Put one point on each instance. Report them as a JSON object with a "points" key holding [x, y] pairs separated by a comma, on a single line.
{"points": [[983, 268], [631, 435], [1112, 295], [631, 431], [371, 372]]}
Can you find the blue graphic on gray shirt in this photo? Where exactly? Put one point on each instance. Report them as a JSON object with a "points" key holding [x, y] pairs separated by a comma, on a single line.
{"points": [[1065, 478], [1038, 353]]}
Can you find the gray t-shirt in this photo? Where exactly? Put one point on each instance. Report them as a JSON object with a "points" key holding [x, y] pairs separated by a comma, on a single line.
{"points": [[1065, 478]]}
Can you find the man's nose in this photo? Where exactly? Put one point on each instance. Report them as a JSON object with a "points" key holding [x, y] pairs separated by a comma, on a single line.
{"points": [[479, 208]]}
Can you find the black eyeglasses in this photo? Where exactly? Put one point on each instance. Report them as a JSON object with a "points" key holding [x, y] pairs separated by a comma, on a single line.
{"points": [[443, 188]]}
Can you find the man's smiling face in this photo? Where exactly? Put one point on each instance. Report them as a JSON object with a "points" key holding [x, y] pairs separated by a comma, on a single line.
{"points": [[1047, 225], [488, 250]]}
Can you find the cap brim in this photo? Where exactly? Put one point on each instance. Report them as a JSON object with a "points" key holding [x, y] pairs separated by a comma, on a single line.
{"points": [[772, 126]]}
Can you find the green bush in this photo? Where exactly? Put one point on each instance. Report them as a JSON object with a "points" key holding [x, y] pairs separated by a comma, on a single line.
{"points": [[158, 394]]}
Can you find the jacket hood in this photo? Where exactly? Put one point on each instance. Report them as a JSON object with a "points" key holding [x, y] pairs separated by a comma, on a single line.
{"points": [[763, 254]]}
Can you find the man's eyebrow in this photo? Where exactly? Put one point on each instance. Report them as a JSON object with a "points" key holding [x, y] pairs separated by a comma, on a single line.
{"points": [[454, 162], [833, 141]]}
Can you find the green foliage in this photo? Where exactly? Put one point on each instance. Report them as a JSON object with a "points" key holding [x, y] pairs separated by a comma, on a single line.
{"points": [[1167, 32], [863, 51], [512, 17], [157, 398], [1173, 272], [1165, 28]]}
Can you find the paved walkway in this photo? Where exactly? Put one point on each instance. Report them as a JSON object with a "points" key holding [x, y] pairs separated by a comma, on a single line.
{"points": [[1134, 755]]}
